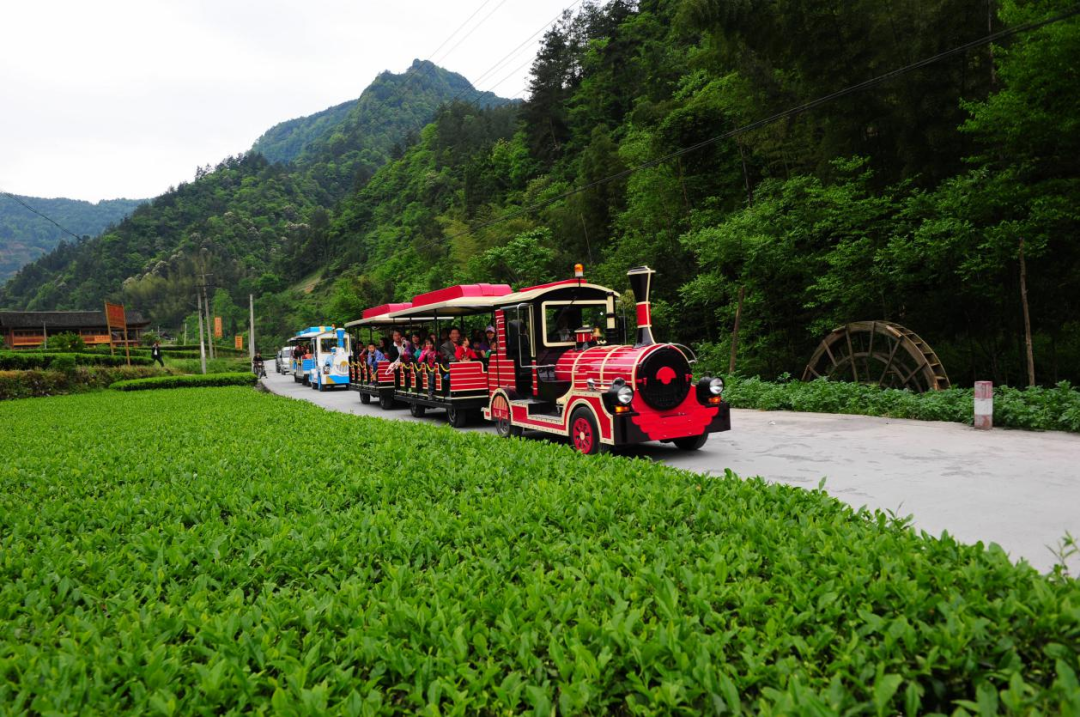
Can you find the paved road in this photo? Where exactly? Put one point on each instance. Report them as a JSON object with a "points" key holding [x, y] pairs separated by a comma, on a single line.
{"points": [[1016, 488]]}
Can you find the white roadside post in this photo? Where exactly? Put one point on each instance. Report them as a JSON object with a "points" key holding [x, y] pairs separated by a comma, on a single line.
{"points": [[984, 405]]}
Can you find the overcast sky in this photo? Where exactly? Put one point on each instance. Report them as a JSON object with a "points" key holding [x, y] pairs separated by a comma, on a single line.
{"points": [[102, 99]]}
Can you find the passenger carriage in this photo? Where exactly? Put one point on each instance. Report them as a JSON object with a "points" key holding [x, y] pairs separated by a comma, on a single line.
{"points": [[301, 368], [374, 382], [332, 354], [562, 367]]}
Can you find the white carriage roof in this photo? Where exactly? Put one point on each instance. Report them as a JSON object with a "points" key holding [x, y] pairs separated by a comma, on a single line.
{"points": [[538, 291], [387, 319]]}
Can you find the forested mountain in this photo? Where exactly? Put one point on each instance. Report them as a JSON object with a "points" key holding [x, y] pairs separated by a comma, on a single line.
{"points": [[24, 235], [906, 201], [348, 142]]}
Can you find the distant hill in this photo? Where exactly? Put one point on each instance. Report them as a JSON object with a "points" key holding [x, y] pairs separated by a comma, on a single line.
{"points": [[24, 236], [344, 144]]}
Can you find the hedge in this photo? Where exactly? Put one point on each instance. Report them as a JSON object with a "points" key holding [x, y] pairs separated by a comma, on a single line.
{"points": [[27, 360], [1051, 409], [37, 384], [188, 381], [212, 551]]}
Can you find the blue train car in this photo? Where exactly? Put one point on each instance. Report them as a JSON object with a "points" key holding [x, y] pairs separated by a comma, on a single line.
{"points": [[303, 364]]}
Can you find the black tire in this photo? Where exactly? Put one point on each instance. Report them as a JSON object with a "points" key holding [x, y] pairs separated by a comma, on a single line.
{"points": [[504, 427], [456, 416], [584, 433], [691, 443], [365, 398], [295, 379], [386, 402], [417, 410]]}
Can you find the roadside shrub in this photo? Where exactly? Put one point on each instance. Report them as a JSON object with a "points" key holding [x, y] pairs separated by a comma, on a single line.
{"points": [[194, 381], [250, 566], [26, 360], [218, 365], [1052, 409], [36, 383], [64, 363], [67, 342]]}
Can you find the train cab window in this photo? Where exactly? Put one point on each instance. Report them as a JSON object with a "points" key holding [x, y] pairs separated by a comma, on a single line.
{"points": [[563, 318], [518, 330]]}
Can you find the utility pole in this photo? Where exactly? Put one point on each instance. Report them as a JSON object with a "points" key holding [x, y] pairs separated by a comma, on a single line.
{"points": [[209, 321], [735, 332], [1027, 317], [251, 327], [202, 347]]}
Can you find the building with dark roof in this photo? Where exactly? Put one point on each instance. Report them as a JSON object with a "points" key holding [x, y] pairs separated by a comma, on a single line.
{"points": [[28, 329]]}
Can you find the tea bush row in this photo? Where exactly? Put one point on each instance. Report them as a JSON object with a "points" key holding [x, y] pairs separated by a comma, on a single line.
{"points": [[37, 384], [1051, 409], [213, 551], [27, 360], [192, 381]]}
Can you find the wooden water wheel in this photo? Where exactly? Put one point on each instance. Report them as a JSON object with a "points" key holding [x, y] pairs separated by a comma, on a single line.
{"points": [[880, 353]]}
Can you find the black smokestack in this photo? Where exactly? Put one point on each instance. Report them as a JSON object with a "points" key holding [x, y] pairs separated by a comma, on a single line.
{"points": [[640, 283]]}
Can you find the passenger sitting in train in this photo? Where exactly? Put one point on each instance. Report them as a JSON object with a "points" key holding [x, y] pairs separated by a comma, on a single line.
{"points": [[399, 351], [484, 348], [464, 352], [374, 356], [416, 343], [450, 346], [429, 356]]}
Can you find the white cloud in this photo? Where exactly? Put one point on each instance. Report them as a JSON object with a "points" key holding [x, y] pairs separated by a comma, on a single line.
{"points": [[126, 97]]}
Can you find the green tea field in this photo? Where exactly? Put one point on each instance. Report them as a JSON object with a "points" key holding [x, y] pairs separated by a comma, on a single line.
{"points": [[220, 550]]}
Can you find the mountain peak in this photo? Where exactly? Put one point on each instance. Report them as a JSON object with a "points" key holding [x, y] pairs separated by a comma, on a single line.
{"points": [[375, 121]]}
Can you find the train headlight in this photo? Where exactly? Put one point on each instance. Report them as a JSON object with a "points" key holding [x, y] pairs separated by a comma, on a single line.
{"points": [[716, 386], [625, 395]]}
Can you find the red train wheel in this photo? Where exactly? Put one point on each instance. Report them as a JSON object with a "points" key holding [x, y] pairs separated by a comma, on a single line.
{"points": [[584, 433], [500, 413]]}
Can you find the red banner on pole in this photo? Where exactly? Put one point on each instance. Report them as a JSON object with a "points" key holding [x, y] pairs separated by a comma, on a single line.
{"points": [[116, 318], [218, 330], [239, 341]]}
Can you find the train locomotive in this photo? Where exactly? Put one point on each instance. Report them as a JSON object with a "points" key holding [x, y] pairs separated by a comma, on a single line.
{"points": [[560, 365]]}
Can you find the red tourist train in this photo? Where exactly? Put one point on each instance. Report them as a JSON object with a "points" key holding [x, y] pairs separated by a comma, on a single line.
{"points": [[559, 364]]}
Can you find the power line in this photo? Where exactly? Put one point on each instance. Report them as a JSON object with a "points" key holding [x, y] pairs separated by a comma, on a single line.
{"points": [[514, 53], [43, 216], [414, 71], [813, 104]]}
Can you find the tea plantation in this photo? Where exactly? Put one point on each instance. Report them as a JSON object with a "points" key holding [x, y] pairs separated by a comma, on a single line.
{"points": [[218, 550]]}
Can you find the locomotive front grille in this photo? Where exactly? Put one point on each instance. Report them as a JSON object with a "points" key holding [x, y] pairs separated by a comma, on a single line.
{"points": [[663, 379]]}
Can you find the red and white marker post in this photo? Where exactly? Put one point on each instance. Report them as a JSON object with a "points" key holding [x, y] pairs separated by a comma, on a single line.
{"points": [[984, 405]]}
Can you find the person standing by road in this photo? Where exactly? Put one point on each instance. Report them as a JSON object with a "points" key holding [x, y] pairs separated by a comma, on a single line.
{"points": [[155, 354]]}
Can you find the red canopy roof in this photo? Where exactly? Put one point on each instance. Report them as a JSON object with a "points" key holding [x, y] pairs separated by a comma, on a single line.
{"points": [[461, 291], [384, 309]]}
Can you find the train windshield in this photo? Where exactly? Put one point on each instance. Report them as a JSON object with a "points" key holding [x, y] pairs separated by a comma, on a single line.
{"points": [[563, 318]]}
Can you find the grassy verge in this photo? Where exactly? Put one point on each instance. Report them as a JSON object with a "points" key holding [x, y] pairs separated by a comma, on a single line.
{"points": [[218, 365], [209, 380], [211, 550], [1050, 409]]}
